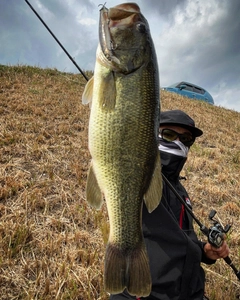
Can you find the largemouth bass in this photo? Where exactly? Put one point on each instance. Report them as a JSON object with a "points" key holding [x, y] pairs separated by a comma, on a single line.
{"points": [[123, 130]]}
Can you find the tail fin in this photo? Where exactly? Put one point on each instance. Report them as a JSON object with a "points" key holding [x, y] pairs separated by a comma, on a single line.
{"points": [[127, 270], [140, 282], [115, 270]]}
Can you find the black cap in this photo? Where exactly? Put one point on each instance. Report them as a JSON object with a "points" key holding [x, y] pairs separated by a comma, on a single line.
{"points": [[179, 118]]}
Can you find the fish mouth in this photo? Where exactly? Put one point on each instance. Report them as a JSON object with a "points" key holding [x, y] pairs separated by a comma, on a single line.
{"points": [[120, 15], [105, 39]]}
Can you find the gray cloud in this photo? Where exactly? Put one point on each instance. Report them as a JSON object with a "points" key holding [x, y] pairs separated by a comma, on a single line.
{"points": [[163, 8]]}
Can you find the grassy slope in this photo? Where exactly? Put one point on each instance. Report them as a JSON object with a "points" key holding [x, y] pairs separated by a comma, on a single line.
{"points": [[51, 242]]}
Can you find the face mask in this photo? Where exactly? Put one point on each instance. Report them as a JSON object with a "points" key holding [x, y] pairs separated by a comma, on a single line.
{"points": [[173, 157], [175, 147]]}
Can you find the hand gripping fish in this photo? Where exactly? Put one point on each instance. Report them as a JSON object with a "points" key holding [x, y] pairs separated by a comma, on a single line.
{"points": [[123, 130]]}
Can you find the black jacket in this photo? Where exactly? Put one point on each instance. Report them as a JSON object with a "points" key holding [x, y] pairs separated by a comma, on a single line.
{"points": [[175, 253]]}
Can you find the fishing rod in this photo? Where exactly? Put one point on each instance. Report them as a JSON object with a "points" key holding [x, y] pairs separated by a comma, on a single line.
{"points": [[215, 233], [69, 56]]}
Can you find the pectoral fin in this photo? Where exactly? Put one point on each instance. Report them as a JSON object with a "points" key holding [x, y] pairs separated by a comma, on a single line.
{"points": [[93, 192], [107, 99], [88, 92], [154, 193]]}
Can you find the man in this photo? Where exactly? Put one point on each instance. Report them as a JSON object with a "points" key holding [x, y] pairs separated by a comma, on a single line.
{"points": [[174, 251]]}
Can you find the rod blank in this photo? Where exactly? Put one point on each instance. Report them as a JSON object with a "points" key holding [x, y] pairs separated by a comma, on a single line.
{"points": [[69, 56]]}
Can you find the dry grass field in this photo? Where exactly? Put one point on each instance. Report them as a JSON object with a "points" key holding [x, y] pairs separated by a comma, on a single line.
{"points": [[51, 242]]}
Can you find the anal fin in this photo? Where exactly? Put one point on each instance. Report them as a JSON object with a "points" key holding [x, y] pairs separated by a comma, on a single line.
{"points": [[154, 193]]}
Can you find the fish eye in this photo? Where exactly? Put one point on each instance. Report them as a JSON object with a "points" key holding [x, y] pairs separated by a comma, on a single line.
{"points": [[141, 27]]}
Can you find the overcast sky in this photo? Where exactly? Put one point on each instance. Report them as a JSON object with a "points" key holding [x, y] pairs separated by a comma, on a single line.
{"points": [[195, 40]]}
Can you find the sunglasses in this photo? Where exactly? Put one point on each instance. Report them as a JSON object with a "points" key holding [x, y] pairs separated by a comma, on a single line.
{"points": [[170, 135]]}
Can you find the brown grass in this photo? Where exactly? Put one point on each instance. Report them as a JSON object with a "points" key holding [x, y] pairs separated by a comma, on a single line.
{"points": [[51, 242]]}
